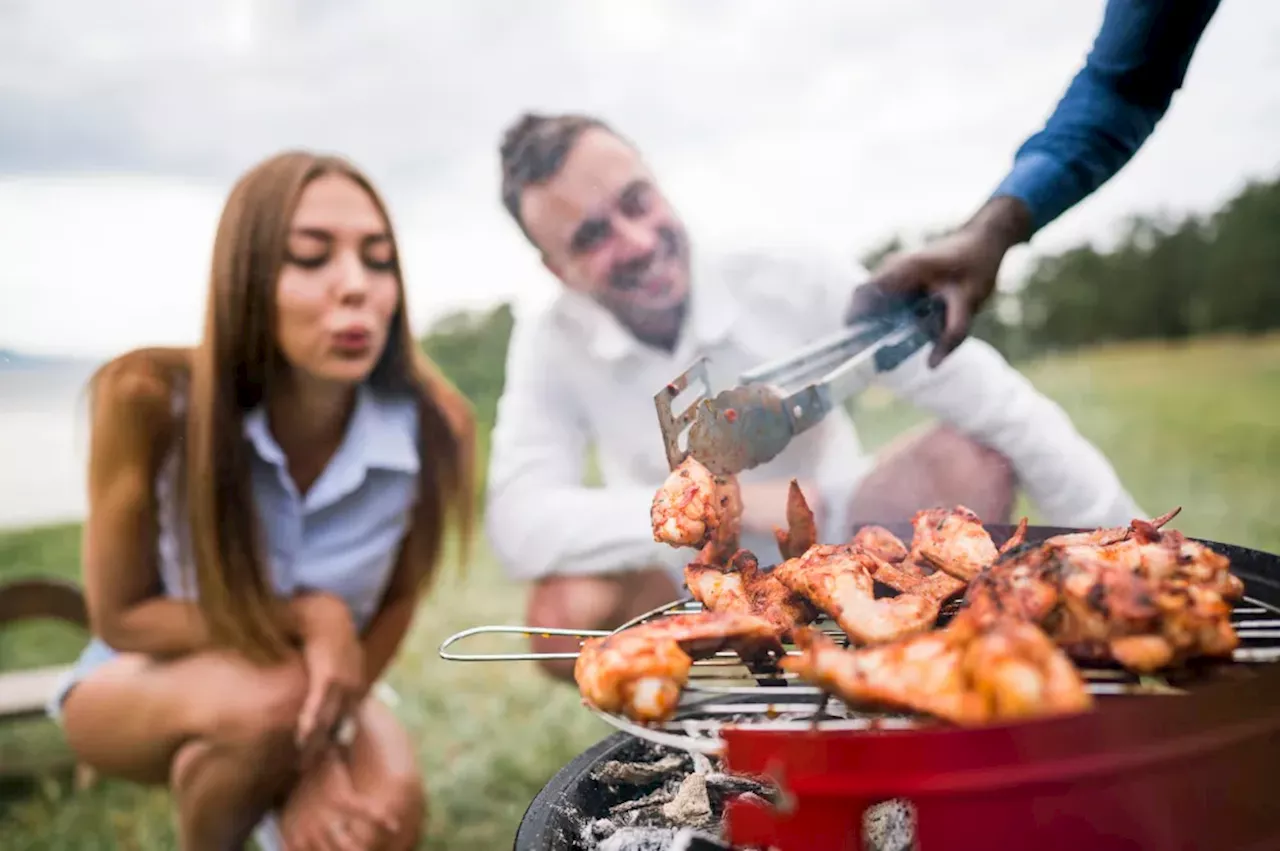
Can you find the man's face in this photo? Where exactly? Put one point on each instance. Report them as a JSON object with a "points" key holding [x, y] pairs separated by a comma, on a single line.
{"points": [[605, 230]]}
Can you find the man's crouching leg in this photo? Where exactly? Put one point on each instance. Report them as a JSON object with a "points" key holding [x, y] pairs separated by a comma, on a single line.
{"points": [[936, 467], [603, 601]]}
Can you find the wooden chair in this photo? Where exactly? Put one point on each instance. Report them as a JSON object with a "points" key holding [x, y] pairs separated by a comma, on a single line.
{"points": [[24, 694]]}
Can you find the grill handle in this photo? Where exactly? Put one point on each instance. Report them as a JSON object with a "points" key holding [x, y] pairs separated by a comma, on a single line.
{"points": [[513, 630]]}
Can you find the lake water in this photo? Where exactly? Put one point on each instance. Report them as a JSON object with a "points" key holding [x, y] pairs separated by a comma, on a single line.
{"points": [[43, 443]]}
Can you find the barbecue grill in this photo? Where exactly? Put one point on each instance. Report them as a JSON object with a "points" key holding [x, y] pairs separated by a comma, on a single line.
{"points": [[1181, 761]]}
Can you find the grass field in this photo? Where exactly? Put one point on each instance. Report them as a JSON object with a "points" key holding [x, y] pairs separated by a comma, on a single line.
{"points": [[1191, 425]]}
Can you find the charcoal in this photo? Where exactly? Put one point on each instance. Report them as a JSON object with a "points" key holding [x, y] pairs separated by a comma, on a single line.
{"points": [[656, 799], [690, 806], [692, 840], [615, 773], [730, 785]]}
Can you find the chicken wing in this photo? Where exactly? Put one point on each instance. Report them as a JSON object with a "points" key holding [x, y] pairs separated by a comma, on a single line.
{"points": [[837, 579], [881, 543], [801, 532], [1146, 599], [952, 539], [741, 586], [695, 508], [968, 673], [641, 670]]}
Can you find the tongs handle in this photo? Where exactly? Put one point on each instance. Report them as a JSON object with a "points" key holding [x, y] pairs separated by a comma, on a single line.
{"points": [[887, 337]]}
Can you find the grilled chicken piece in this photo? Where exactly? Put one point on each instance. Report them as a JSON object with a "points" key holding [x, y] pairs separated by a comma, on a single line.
{"points": [[695, 508], [914, 571], [837, 579], [968, 673], [909, 579], [641, 670], [1147, 599], [952, 539], [742, 587], [1114, 535], [881, 543], [802, 530]]}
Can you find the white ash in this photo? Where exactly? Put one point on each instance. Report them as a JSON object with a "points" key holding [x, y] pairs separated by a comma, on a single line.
{"points": [[639, 839], [691, 806], [618, 773]]}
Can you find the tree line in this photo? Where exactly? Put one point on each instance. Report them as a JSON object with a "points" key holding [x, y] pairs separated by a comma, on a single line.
{"points": [[1166, 278]]}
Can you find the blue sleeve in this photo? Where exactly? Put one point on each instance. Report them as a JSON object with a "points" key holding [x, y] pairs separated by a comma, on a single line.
{"points": [[1138, 60]]}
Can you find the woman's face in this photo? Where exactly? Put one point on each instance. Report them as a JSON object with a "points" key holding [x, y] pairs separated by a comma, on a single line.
{"points": [[337, 289]]}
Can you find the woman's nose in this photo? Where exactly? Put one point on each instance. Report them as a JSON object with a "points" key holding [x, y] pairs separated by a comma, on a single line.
{"points": [[353, 277]]}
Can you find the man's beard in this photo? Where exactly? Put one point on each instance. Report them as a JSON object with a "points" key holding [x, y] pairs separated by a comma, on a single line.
{"points": [[659, 325]]}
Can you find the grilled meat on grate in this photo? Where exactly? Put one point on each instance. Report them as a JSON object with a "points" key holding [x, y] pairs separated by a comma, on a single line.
{"points": [[838, 580], [640, 671], [969, 672], [741, 586], [1144, 598]]}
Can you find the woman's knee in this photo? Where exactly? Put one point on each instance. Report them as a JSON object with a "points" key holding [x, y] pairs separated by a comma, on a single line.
{"points": [[259, 706]]}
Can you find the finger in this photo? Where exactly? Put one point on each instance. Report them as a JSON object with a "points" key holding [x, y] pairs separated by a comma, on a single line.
{"points": [[318, 737], [359, 806], [310, 710], [955, 324], [342, 838]]}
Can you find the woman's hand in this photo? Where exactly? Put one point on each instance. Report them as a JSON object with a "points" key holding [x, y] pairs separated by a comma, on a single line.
{"points": [[334, 661], [326, 813]]}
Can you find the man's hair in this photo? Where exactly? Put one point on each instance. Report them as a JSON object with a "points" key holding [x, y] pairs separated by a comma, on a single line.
{"points": [[533, 151]]}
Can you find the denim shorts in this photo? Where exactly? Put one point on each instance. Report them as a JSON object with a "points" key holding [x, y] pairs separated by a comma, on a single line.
{"points": [[96, 654]]}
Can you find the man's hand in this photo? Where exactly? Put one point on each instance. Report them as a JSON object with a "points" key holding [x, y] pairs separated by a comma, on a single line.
{"points": [[326, 813], [334, 661], [960, 268]]}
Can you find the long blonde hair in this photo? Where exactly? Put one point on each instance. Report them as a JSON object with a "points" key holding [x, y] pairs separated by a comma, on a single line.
{"points": [[228, 374]]}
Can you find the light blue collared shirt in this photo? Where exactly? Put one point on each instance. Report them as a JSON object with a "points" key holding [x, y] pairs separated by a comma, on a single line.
{"points": [[342, 536]]}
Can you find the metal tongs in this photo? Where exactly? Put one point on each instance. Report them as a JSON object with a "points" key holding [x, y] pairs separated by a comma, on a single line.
{"points": [[747, 425]]}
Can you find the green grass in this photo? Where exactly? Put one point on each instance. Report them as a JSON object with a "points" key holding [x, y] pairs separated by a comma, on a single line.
{"points": [[1189, 425]]}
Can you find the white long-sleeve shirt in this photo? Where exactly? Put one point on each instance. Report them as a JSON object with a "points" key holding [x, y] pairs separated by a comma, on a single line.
{"points": [[576, 377]]}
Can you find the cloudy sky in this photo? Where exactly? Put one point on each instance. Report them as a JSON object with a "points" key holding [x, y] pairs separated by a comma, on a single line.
{"points": [[818, 122]]}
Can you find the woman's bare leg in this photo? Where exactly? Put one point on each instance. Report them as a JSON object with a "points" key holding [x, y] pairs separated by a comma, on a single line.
{"points": [[216, 727], [384, 769]]}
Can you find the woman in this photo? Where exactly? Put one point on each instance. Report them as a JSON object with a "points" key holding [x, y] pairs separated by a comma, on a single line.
{"points": [[264, 511]]}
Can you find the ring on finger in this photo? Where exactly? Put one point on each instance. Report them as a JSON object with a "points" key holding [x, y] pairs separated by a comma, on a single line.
{"points": [[344, 732]]}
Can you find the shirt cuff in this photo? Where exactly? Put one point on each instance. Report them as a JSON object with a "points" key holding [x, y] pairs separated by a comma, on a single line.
{"points": [[1040, 182]]}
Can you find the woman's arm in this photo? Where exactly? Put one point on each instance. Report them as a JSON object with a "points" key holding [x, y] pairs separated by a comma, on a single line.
{"points": [[390, 624], [131, 428], [131, 425]]}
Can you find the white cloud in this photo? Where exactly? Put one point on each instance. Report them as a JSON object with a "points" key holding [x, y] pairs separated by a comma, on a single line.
{"points": [[824, 122]]}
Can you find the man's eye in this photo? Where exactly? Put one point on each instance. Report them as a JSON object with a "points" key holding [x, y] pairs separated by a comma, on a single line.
{"points": [[634, 203], [590, 235]]}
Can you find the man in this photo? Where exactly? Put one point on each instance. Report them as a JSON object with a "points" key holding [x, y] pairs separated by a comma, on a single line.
{"points": [[1138, 60], [634, 310]]}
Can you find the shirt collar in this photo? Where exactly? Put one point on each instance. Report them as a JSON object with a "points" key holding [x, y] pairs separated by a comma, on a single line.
{"points": [[712, 310], [382, 434]]}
